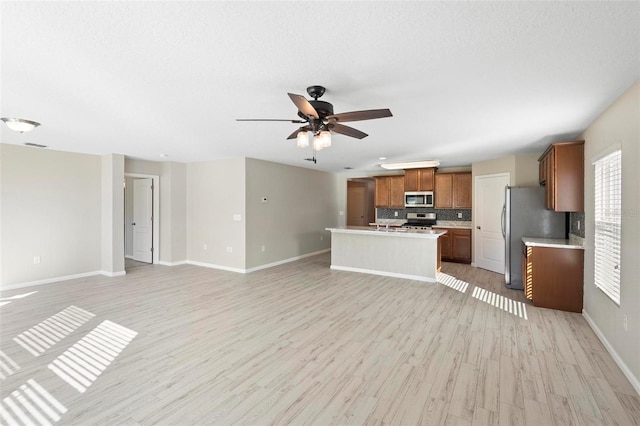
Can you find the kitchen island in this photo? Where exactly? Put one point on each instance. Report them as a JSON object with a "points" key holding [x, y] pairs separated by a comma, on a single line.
{"points": [[393, 252]]}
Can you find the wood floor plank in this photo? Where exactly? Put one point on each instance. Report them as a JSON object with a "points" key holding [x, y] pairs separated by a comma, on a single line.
{"points": [[300, 343]]}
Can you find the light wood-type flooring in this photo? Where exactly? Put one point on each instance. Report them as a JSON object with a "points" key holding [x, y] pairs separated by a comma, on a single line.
{"points": [[300, 344]]}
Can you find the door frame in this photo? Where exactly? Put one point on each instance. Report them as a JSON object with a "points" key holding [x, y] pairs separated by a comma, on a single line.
{"points": [[476, 200], [156, 212]]}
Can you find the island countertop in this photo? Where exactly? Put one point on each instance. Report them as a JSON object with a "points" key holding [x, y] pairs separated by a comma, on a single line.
{"points": [[389, 232]]}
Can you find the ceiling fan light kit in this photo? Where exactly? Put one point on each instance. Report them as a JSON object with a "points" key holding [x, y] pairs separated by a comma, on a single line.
{"points": [[20, 125], [319, 119]]}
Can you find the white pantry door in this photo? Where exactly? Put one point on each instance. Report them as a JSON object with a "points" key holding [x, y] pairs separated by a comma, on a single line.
{"points": [[489, 242], [142, 220]]}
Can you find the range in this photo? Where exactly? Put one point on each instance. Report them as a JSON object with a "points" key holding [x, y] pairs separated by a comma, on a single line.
{"points": [[420, 220]]}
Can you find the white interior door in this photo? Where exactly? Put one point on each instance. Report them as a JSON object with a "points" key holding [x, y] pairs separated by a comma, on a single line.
{"points": [[489, 242], [142, 220]]}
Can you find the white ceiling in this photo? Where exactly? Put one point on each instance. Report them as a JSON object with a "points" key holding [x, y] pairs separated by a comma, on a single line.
{"points": [[465, 81]]}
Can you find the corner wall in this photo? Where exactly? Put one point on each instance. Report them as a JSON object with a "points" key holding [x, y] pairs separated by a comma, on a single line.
{"points": [[620, 123], [301, 203]]}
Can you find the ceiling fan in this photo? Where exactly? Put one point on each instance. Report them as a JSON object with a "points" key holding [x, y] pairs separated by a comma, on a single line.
{"points": [[318, 118]]}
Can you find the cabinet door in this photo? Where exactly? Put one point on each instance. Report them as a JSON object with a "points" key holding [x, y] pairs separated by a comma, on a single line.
{"points": [[425, 179], [462, 191], [411, 180], [396, 191], [462, 245], [443, 192], [569, 177], [382, 191], [445, 245], [557, 278]]}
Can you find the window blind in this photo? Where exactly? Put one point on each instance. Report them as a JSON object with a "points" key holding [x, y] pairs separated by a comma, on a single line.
{"points": [[608, 214]]}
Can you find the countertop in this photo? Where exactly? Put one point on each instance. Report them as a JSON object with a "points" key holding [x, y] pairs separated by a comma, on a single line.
{"points": [[453, 224], [550, 242], [389, 232]]}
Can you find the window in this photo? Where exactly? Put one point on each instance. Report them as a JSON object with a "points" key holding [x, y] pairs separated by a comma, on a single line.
{"points": [[608, 213]]}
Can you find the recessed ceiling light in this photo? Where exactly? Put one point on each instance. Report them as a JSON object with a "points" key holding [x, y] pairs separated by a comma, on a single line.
{"points": [[411, 165], [348, 168], [164, 155], [382, 158]]}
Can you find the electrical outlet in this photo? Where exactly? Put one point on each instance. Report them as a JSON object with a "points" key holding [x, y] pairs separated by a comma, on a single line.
{"points": [[263, 248], [36, 260], [341, 213], [229, 249], [625, 324], [237, 217], [578, 225], [204, 247], [395, 214], [459, 215]]}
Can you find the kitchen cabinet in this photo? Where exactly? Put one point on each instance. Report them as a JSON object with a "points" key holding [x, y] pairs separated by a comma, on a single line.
{"points": [[419, 179], [561, 172], [455, 245], [452, 190], [389, 191], [553, 277]]}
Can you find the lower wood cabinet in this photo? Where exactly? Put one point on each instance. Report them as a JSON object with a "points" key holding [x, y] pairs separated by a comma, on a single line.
{"points": [[553, 277], [455, 245]]}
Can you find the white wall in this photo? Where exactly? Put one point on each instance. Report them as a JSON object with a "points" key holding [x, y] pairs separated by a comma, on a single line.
{"points": [[51, 207], [620, 123], [128, 217], [215, 193], [301, 203], [112, 201]]}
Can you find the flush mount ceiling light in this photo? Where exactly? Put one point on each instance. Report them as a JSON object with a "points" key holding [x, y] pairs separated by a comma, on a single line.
{"points": [[411, 165], [20, 124]]}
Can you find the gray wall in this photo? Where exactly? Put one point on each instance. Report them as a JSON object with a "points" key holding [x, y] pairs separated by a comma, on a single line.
{"points": [[52, 208], [301, 203], [618, 124], [215, 193]]}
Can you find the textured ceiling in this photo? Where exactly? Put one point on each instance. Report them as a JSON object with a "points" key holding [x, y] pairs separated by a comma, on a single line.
{"points": [[465, 81]]}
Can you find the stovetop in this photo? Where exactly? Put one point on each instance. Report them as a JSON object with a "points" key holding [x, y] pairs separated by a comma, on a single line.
{"points": [[420, 220]]}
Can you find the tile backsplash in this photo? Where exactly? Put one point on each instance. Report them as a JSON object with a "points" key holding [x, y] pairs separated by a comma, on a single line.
{"points": [[442, 214]]}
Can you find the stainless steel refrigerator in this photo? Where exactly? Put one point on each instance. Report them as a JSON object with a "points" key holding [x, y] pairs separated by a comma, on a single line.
{"points": [[524, 215]]}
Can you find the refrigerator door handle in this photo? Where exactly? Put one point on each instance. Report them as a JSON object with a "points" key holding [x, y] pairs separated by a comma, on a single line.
{"points": [[502, 219]]}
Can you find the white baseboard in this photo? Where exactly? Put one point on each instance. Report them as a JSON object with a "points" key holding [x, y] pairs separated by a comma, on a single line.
{"points": [[50, 280], [182, 262], [383, 273], [627, 372], [113, 274], [214, 266], [281, 262]]}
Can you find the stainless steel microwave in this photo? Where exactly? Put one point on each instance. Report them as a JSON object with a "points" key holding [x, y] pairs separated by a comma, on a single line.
{"points": [[418, 199]]}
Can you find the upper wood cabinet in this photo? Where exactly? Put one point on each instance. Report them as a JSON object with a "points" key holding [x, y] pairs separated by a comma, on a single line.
{"points": [[452, 190], [389, 191], [419, 179], [561, 172]]}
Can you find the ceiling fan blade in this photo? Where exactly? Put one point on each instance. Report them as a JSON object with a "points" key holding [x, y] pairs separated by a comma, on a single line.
{"points": [[270, 119], [300, 129], [369, 114], [304, 106], [346, 130]]}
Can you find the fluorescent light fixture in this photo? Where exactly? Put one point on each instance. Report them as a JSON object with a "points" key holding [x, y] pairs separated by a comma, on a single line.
{"points": [[411, 165], [20, 124]]}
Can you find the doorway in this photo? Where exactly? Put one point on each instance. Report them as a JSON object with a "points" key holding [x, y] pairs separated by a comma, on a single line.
{"points": [[489, 242], [141, 220], [360, 202]]}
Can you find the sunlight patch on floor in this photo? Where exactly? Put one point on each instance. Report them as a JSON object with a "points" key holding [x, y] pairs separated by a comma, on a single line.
{"points": [[453, 282], [81, 364], [7, 366], [31, 404], [516, 308], [41, 337]]}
